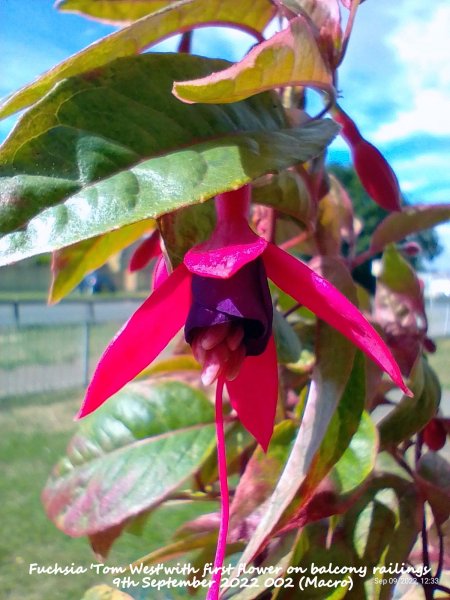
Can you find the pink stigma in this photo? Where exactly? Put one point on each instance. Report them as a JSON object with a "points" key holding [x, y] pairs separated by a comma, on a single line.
{"points": [[214, 590]]}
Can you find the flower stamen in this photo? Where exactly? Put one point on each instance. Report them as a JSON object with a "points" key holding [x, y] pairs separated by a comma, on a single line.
{"points": [[220, 351]]}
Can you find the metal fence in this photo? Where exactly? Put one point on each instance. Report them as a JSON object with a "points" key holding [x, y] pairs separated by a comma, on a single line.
{"points": [[46, 348]]}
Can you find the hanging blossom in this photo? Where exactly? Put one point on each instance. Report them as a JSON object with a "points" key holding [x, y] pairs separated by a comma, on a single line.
{"points": [[220, 295]]}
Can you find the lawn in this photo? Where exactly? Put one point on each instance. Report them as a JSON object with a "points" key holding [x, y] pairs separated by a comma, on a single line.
{"points": [[440, 361], [35, 432], [44, 345]]}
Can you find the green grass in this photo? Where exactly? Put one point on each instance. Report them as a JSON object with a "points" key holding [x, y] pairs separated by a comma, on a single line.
{"points": [[43, 345], [35, 433], [440, 361]]}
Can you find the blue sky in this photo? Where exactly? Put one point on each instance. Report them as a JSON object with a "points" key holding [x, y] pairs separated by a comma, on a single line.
{"points": [[394, 82]]}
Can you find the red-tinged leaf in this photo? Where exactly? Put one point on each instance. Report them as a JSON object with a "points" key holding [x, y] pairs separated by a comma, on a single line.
{"points": [[72, 263], [330, 305], [250, 15], [287, 192], [326, 18], [117, 12], [129, 456], [290, 57], [399, 308], [335, 221], [141, 339], [149, 248], [184, 228], [410, 415], [260, 477], [396, 227], [433, 478], [374, 172]]}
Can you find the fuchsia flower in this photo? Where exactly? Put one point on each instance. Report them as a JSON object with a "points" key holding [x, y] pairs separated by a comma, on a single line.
{"points": [[223, 281], [220, 294]]}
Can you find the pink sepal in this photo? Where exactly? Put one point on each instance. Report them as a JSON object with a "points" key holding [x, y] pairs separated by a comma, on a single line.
{"points": [[231, 246], [147, 249], [141, 339], [254, 394], [323, 299]]}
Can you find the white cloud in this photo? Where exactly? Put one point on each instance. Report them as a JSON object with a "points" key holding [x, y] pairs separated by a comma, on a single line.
{"points": [[423, 56]]}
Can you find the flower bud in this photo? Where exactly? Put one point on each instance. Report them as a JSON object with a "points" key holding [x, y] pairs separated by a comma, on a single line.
{"points": [[374, 172], [434, 435]]}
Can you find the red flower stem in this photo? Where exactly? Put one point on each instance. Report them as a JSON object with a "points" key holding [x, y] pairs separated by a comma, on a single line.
{"points": [[235, 205], [214, 590]]}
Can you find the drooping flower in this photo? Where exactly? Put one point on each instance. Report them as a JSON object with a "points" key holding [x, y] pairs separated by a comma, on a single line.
{"points": [[223, 281], [220, 295]]}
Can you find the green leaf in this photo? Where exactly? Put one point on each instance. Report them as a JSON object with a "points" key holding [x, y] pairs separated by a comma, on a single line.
{"points": [[287, 192], [178, 548], [397, 274], [397, 226], [331, 417], [400, 308], [113, 11], [262, 472], [238, 443], [288, 345], [381, 528], [129, 41], [65, 149], [410, 415], [104, 592], [358, 460], [409, 521], [313, 552], [178, 362], [186, 227], [290, 57], [71, 264], [129, 456], [434, 482]]}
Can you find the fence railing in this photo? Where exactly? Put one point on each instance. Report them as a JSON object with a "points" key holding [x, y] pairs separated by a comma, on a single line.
{"points": [[46, 348]]}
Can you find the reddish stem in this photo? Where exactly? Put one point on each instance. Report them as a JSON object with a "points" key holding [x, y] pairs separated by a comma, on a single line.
{"points": [[184, 46], [214, 590], [298, 239]]}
